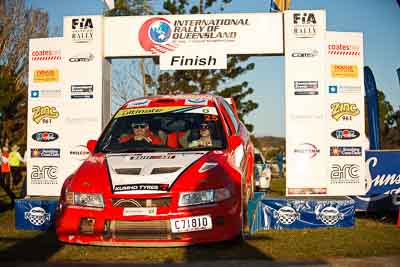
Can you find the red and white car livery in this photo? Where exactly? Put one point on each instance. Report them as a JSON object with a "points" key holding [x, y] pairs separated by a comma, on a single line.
{"points": [[166, 171]]}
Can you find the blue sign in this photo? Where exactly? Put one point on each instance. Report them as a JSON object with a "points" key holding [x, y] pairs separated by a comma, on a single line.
{"points": [[382, 181], [35, 214], [300, 213], [383, 172]]}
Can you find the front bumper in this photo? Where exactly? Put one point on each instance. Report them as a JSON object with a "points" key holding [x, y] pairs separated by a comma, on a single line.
{"points": [[109, 226]]}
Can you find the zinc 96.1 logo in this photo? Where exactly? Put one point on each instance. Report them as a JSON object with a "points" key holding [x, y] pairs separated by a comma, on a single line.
{"points": [[155, 36]]}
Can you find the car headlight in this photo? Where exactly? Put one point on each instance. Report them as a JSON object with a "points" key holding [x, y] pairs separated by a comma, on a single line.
{"points": [[85, 199], [203, 197]]}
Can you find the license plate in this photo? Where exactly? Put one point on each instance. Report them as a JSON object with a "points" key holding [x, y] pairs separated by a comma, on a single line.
{"points": [[139, 211], [191, 224]]}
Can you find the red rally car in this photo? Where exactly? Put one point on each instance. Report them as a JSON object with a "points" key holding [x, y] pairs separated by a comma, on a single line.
{"points": [[166, 171]]}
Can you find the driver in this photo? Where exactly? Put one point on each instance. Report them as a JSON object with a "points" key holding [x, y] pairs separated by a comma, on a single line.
{"points": [[141, 133], [205, 139]]}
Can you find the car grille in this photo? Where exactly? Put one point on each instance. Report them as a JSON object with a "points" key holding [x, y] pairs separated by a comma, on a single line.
{"points": [[141, 202], [141, 230]]}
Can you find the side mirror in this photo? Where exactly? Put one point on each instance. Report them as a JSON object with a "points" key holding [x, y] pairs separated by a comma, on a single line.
{"points": [[234, 141], [91, 144]]}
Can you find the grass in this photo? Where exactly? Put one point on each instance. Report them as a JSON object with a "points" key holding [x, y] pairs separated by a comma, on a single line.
{"points": [[368, 238]]}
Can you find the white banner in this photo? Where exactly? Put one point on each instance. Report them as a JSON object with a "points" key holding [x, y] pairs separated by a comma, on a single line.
{"points": [[306, 144], [345, 87], [45, 115], [194, 60], [160, 35]]}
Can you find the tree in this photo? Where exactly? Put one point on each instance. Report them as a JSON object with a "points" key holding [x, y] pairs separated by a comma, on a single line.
{"points": [[17, 25], [210, 81]]}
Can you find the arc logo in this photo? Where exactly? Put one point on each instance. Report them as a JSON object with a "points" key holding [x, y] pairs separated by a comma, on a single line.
{"points": [[44, 114], [155, 36], [347, 173], [44, 175], [45, 136], [345, 111], [345, 134]]}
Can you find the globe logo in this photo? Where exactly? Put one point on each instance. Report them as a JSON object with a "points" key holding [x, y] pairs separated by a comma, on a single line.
{"points": [[160, 32]]}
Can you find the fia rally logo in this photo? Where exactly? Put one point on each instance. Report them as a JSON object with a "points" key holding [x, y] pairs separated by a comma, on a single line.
{"points": [[37, 216], [155, 36]]}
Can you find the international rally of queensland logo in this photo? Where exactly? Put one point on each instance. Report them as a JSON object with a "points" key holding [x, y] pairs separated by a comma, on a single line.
{"points": [[155, 36]]}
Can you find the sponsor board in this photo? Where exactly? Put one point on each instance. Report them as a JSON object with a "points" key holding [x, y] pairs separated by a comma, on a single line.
{"points": [[343, 49], [304, 25], [344, 71], [141, 187], [82, 57], [82, 30], [345, 89], [37, 216], [174, 109], [46, 55], [307, 150], [345, 151], [344, 111], [45, 136], [183, 62], [133, 211], [138, 103], [80, 153], [45, 152], [305, 53], [45, 93], [81, 91], [345, 134], [196, 102], [46, 174], [306, 87], [48, 75], [345, 174], [44, 114]]}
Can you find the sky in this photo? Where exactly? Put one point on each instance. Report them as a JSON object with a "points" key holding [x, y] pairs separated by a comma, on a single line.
{"points": [[379, 20]]}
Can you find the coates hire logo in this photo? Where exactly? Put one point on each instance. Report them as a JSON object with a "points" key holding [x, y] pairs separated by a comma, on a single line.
{"points": [[155, 36], [46, 55], [306, 150], [343, 50]]}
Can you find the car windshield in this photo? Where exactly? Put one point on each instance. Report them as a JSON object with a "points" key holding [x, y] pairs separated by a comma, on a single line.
{"points": [[163, 129]]}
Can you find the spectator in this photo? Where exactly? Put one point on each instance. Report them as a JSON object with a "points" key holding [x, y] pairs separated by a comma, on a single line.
{"points": [[15, 160], [2, 183], [5, 168], [279, 159]]}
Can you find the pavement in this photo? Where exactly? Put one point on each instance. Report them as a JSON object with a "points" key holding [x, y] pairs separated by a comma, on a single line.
{"points": [[391, 261]]}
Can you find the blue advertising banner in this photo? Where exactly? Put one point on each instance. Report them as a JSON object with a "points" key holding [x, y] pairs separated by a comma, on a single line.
{"points": [[373, 108], [35, 214], [382, 181], [383, 172], [300, 213]]}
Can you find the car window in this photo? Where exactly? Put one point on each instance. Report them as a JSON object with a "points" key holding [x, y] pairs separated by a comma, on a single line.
{"points": [[231, 115], [163, 129]]}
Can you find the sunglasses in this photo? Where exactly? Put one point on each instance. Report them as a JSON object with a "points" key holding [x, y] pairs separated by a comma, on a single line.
{"points": [[204, 126], [140, 126]]}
